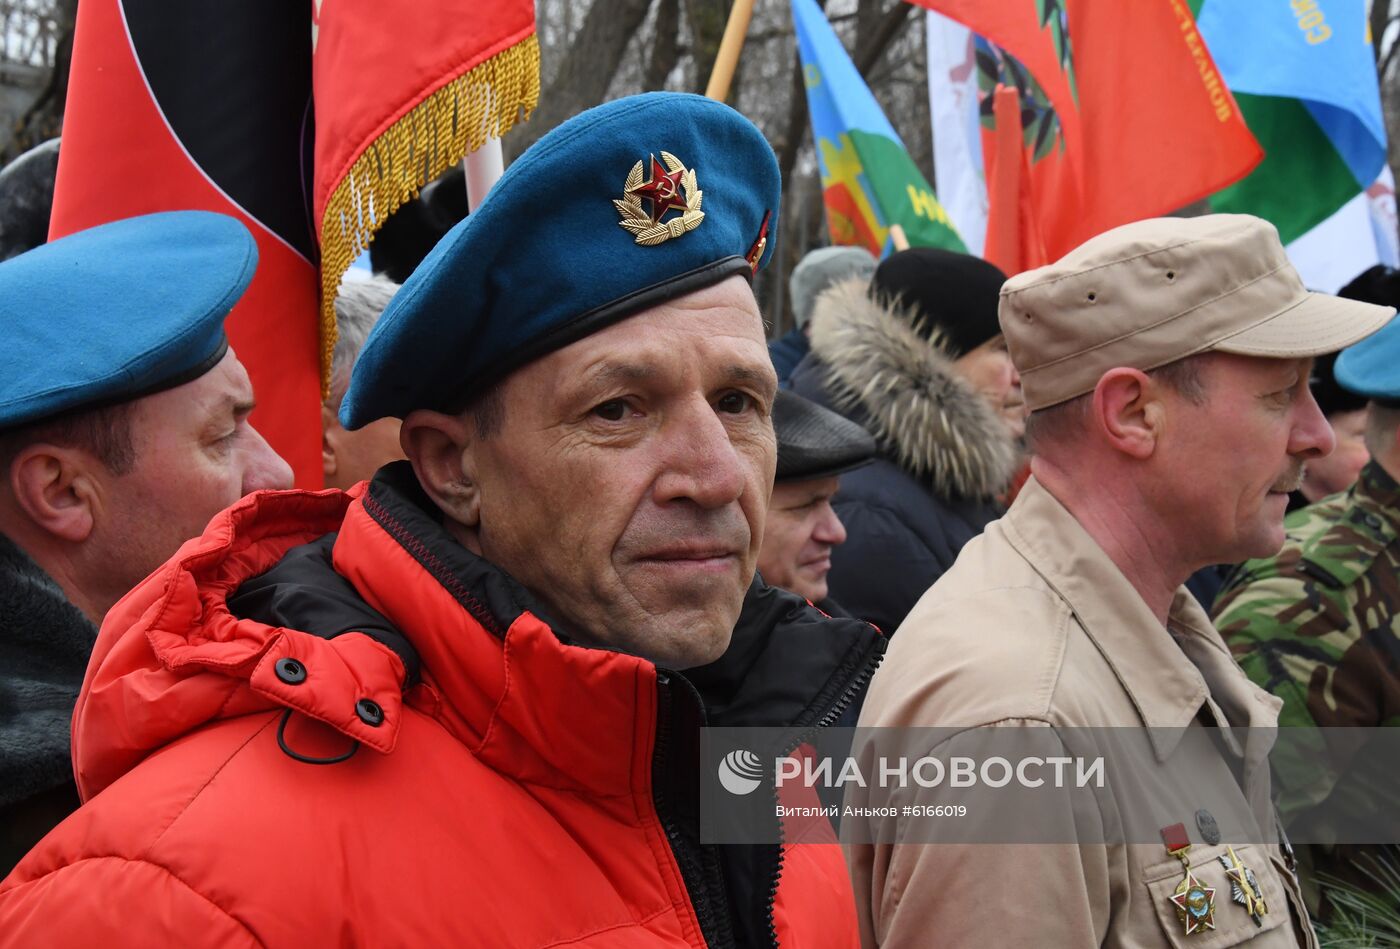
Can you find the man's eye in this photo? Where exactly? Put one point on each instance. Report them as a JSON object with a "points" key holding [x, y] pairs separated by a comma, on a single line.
{"points": [[733, 403], [611, 411]]}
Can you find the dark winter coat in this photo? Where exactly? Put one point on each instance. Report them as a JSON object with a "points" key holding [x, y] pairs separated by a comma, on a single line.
{"points": [[787, 351], [944, 456], [44, 646], [483, 779]]}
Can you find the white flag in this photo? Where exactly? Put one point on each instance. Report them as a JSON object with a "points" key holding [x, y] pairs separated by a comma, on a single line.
{"points": [[1360, 235], [959, 179]]}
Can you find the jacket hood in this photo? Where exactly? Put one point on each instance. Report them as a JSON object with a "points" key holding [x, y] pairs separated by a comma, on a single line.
{"points": [[905, 391], [171, 657]]}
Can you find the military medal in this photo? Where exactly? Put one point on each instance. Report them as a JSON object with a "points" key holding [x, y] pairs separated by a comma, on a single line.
{"points": [[1244, 888], [664, 193], [1193, 900]]}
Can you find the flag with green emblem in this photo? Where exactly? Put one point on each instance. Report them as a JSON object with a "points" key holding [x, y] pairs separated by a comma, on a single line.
{"points": [[869, 182]]}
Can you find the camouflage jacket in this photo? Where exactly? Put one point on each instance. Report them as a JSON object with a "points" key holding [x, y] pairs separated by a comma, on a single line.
{"points": [[1318, 625]]}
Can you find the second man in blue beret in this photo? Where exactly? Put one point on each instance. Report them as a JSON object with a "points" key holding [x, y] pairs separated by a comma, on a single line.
{"points": [[123, 428]]}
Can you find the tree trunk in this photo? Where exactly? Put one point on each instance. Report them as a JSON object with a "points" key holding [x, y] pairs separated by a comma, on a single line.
{"points": [[44, 119], [707, 19], [666, 50], [877, 36], [587, 70]]}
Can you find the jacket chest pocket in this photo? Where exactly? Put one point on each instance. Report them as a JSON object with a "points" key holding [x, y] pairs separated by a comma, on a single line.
{"points": [[1234, 926]]}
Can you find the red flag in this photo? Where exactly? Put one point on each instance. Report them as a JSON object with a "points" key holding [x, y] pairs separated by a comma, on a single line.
{"points": [[403, 91], [206, 105], [1013, 242], [1123, 114]]}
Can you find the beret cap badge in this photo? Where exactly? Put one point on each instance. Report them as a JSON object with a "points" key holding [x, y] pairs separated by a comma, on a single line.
{"points": [[663, 192]]}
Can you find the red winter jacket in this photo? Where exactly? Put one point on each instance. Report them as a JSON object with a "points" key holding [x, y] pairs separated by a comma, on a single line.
{"points": [[503, 788]]}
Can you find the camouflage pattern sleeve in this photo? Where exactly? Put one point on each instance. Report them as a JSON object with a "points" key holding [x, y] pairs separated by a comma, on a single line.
{"points": [[1316, 626]]}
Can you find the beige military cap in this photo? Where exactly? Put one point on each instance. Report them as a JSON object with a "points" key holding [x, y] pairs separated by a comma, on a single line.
{"points": [[1152, 292]]}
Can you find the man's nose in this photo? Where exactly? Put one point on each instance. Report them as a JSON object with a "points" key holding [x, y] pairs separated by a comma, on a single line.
{"points": [[829, 530], [700, 462], [1312, 435], [266, 469]]}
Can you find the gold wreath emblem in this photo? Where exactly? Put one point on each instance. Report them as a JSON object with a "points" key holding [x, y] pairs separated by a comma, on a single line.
{"points": [[663, 194]]}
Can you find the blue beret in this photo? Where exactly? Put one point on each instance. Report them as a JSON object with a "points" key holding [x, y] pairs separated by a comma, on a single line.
{"points": [[118, 311], [1371, 368], [600, 219]]}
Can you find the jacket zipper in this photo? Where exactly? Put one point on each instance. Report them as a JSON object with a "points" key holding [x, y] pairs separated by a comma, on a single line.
{"points": [[699, 871], [847, 697], [702, 877]]}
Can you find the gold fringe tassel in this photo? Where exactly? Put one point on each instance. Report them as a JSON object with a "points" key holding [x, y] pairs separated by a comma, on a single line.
{"points": [[413, 151]]}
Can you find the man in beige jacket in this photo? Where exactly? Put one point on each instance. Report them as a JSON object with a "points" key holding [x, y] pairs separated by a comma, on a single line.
{"points": [[1166, 366]]}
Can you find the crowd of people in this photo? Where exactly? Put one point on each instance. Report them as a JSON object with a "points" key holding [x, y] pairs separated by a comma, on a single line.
{"points": [[579, 509]]}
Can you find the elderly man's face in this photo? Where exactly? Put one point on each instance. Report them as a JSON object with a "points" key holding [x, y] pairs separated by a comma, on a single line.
{"points": [[628, 483], [989, 370], [1235, 458], [802, 529]]}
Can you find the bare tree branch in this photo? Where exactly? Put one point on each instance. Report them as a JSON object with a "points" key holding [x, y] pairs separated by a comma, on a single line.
{"points": [[44, 118], [869, 53]]}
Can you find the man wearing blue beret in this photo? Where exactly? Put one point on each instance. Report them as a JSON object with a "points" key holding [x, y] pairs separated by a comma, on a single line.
{"points": [[461, 704], [123, 429]]}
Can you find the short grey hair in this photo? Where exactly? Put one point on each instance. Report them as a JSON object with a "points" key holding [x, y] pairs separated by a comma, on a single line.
{"points": [[1062, 422], [357, 308]]}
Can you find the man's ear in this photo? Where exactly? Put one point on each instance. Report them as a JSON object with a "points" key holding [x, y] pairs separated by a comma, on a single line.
{"points": [[1129, 411], [329, 424], [440, 449], [57, 488]]}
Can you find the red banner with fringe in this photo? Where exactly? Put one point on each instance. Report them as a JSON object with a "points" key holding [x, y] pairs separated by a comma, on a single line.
{"points": [[403, 92], [206, 104], [1123, 115]]}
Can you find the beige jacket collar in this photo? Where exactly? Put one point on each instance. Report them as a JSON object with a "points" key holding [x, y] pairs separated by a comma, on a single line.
{"points": [[1168, 676]]}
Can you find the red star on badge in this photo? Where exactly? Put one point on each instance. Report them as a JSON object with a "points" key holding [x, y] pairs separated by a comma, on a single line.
{"points": [[663, 190], [1195, 904]]}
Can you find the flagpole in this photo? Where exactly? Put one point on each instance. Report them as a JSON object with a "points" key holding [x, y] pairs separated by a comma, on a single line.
{"points": [[485, 165], [728, 57], [898, 237]]}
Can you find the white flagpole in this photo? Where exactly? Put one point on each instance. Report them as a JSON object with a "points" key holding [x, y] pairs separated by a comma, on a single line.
{"points": [[482, 168], [485, 165]]}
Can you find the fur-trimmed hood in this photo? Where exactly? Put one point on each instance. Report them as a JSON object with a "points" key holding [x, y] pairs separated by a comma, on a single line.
{"points": [[905, 391]]}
